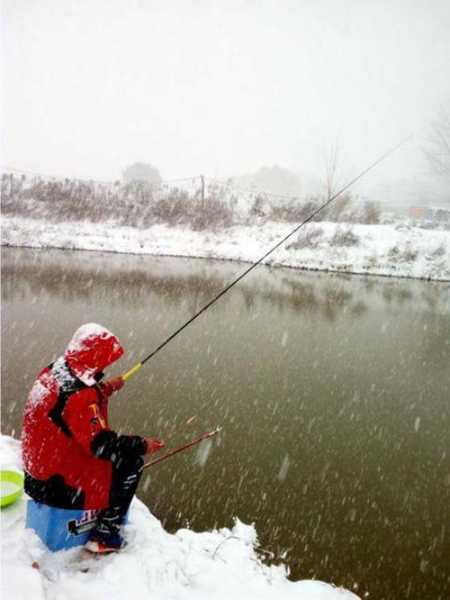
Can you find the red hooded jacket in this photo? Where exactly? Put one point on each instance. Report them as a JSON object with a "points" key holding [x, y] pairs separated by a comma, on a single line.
{"points": [[68, 447]]}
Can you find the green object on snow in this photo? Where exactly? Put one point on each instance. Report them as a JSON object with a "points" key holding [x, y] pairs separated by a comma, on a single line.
{"points": [[11, 487]]}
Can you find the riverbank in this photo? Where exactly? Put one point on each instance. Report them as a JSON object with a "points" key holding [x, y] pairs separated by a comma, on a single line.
{"points": [[187, 565], [389, 250]]}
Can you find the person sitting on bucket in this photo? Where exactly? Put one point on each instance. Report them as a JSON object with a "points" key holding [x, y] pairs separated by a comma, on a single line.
{"points": [[72, 459]]}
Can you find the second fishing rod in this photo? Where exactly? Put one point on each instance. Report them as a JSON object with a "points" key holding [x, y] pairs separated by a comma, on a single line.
{"points": [[253, 266]]}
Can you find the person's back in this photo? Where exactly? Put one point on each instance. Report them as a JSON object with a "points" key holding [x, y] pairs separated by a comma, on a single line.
{"points": [[72, 459]]}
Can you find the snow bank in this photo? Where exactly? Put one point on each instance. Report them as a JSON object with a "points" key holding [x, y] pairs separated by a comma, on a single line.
{"points": [[187, 566], [389, 250]]}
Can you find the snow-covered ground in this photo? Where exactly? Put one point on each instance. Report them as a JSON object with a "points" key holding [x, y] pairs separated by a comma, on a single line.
{"points": [[392, 250], [187, 565]]}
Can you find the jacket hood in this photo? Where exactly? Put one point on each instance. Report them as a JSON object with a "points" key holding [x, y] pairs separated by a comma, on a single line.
{"points": [[92, 349]]}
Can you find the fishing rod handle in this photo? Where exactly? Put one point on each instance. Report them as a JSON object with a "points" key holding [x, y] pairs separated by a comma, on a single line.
{"points": [[131, 372]]}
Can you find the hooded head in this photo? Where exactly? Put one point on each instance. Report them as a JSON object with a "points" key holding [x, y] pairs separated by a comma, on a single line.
{"points": [[92, 349]]}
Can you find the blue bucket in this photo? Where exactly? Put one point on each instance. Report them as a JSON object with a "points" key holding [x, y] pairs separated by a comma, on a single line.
{"points": [[60, 528]]}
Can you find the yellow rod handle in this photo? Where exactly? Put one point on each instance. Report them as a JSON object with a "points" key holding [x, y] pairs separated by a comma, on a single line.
{"points": [[131, 372]]}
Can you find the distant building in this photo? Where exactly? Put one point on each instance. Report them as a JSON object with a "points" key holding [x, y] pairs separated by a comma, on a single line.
{"points": [[430, 214]]}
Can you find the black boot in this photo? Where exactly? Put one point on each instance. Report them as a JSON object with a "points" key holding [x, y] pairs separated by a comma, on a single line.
{"points": [[106, 535]]}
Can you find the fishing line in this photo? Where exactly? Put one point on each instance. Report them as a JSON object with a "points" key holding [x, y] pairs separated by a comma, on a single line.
{"points": [[136, 368]]}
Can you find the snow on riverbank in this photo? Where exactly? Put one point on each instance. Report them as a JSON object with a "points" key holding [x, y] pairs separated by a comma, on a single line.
{"points": [[187, 565], [392, 250]]}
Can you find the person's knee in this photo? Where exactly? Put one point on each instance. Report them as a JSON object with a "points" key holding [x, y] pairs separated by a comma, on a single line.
{"points": [[134, 465], [128, 463]]}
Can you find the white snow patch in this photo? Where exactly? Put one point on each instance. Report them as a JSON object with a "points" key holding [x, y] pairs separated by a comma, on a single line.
{"points": [[39, 390], [214, 565], [389, 250], [83, 333]]}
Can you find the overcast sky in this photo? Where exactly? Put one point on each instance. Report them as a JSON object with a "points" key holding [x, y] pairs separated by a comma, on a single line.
{"points": [[220, 87]]}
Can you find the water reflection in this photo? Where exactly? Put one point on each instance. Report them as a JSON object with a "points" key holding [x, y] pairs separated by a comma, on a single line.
{"points": [[332, 391], [74, 275]]}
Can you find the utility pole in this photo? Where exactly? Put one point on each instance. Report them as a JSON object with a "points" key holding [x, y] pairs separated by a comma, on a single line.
{"points": [[202, 179]]}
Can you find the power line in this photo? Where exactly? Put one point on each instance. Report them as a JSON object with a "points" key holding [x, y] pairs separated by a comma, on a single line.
{"points": [[7, 169], [227, 183]]}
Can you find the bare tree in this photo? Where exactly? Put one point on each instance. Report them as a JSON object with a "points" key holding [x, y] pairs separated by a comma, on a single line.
{"points": [[331, 160], [438, 147]]}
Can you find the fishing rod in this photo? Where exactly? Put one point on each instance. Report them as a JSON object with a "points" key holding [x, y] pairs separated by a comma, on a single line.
{"points": [[226, 289], [204, 436]]}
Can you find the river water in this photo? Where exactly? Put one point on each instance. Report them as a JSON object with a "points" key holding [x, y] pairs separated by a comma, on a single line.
{"points": [[332, 391]]}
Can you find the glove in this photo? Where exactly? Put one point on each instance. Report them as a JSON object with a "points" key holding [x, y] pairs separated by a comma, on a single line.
{"points": [[113, 385], [153, 445]]}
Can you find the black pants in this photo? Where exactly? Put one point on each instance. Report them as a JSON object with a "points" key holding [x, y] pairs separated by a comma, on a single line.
{"points": [[126, 475]]}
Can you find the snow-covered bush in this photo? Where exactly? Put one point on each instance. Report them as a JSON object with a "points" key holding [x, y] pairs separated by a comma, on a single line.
{"points": [[344, 236], [346, 210], [407, 254], [309, 238], [410, 254], [178, 208], [295, 210], [134, 204], [261, 207], [440, 251], [371, 213]]}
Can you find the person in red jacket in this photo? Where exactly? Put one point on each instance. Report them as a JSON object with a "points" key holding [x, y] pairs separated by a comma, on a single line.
{"points": [[72, 458]]}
